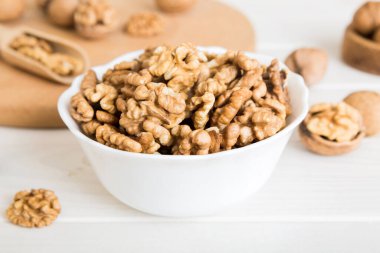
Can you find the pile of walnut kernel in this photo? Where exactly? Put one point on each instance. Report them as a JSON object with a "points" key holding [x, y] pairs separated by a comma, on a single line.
{"points": [[181, 101], [43, 52]]}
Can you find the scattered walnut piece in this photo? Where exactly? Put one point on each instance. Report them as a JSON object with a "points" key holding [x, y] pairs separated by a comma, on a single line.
{"points": [[367, 18], [35, 208], [175, 5], [144, 24], [310, 63], [95, 18], [331, 129], [42, 51], [179, 100], [368, 104]]}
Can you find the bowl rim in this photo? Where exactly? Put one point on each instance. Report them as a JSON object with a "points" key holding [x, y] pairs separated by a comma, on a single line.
{"points": [[74, 128]]}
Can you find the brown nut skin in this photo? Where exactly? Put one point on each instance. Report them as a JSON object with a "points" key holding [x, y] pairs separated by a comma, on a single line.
{"points": [[322, 146], [310, 63], [367, 18], [173, 6], [376, 35], [11, 9], [368, 104], [61, 12]]}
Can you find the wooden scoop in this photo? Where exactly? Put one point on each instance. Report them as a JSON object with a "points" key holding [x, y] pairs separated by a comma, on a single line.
{"points": [[21, 61]]}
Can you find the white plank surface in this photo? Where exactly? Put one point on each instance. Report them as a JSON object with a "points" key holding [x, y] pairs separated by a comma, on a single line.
{"points": [[311, 203]]}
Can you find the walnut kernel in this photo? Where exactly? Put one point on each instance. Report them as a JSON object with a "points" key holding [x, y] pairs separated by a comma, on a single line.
{"points": [[35, 208], [144, 24]]}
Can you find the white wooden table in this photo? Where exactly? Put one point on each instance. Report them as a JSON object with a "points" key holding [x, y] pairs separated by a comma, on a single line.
{"points": [[311, 203]]}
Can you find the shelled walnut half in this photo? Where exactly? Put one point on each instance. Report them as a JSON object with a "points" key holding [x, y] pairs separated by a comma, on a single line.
{"points": [[332, 129], [35, 208], [144, 24]]}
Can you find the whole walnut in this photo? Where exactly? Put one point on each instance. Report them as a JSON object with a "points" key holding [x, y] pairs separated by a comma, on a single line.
{"points": [[376, 35], [368, 104], [175, 5], [367, 18], [11, 9], [310, 63], [60, 12]]}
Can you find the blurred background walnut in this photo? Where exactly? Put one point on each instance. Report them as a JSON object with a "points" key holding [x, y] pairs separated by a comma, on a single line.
{"points": [[11, 9], [95, 18], [175, 5], [144, 24], [310, 63], [59, 12], [35, 208], [368, 104]]}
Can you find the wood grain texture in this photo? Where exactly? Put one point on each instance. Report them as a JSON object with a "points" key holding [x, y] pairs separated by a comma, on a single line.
{"points": [[29, 101]]}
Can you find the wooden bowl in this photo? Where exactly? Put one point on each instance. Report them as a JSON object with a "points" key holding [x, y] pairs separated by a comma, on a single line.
{"points": [[322, 146], [361, 52]]}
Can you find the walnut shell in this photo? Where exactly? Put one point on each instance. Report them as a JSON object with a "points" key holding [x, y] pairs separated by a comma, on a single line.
{"points": [[61, 12], [322, 146], [368, 104], [310, 63], [11, 9], [175, 5], [367, 18]]}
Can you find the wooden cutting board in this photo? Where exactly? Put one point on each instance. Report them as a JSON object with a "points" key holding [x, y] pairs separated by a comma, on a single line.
{"points": [[29, 101]]}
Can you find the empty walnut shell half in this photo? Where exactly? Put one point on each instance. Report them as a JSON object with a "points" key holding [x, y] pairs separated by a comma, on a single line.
{"points": [[361, 52], [368, 104], [338, 129], [310, 63]]}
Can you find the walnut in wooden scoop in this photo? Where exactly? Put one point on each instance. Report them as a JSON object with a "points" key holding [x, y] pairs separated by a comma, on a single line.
{"points": [[43, 54]]}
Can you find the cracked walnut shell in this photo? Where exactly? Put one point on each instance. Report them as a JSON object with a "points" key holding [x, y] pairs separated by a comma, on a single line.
{"points": [[332, 129], [35, 208], [95, 18]]}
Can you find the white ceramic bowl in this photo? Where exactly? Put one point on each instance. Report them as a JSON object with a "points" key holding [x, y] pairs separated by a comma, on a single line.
{"points": [[182, 186]]}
